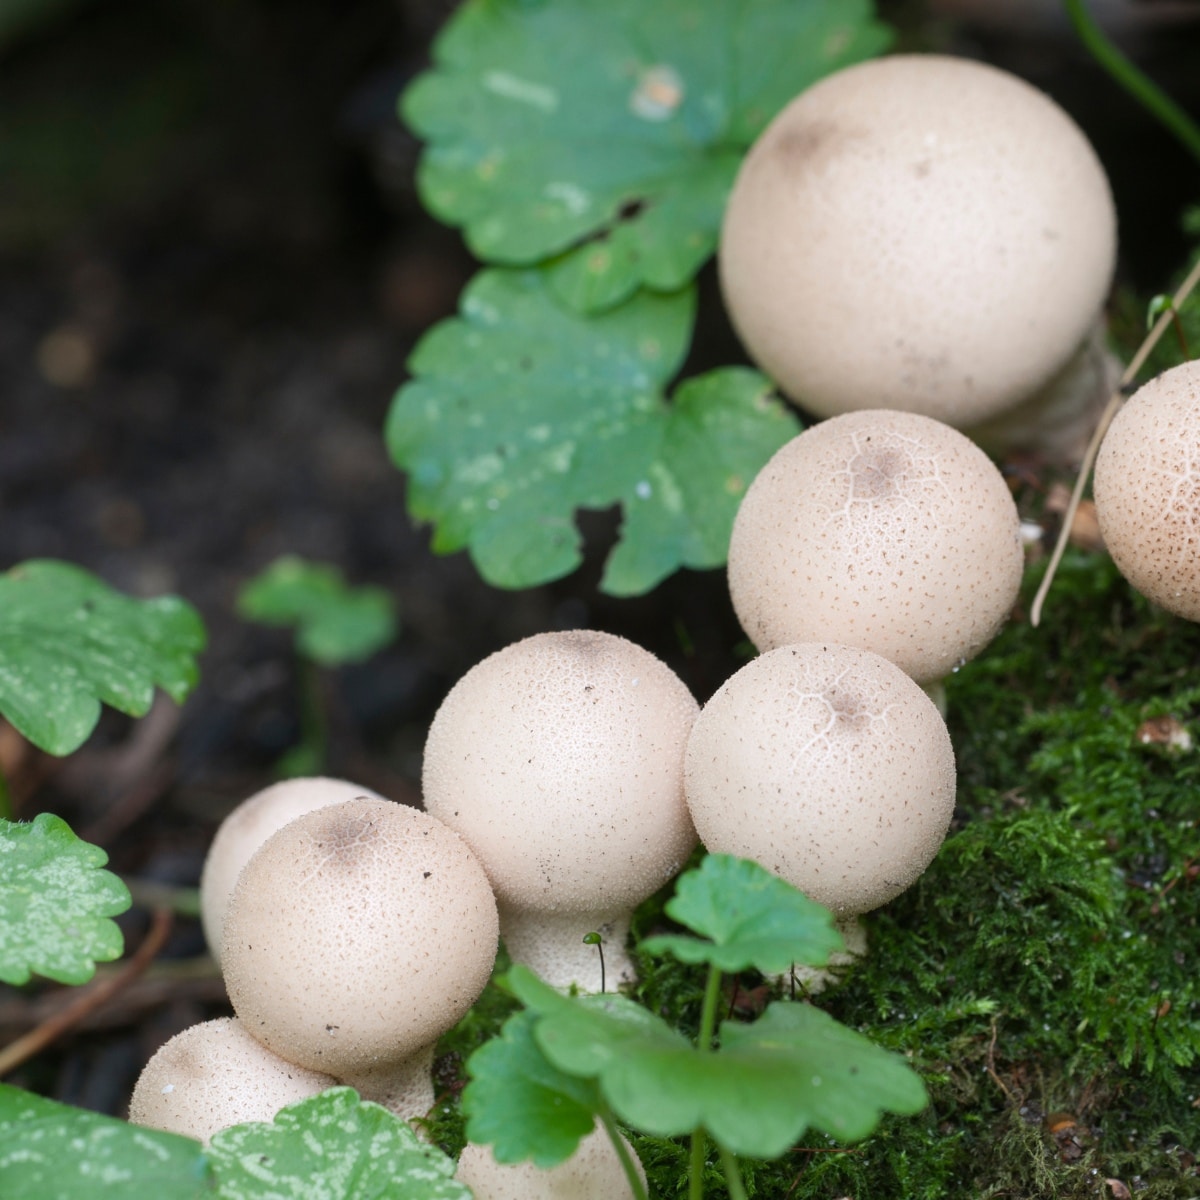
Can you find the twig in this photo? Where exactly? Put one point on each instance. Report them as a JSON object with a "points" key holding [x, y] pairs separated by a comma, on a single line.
{"points": [[991, 1065], [1110, 410], [36, 1040]]}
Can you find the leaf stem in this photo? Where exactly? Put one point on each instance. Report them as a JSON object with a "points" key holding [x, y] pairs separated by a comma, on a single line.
{"points": [[696, 1166], [704, 1040], [733, 1176], [1140, 86], [619, 1145], [6, 809]]}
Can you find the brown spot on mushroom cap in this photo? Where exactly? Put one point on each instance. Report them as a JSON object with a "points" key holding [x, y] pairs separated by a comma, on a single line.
{"points": [[1147, 490], [357, 935], [560, 761], [214, 1075], [827, 765], [884, 530], [247, 827], [917, 232]]}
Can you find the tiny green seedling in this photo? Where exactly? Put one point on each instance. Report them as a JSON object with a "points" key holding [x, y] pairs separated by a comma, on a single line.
{"points": [[753, 1089]]}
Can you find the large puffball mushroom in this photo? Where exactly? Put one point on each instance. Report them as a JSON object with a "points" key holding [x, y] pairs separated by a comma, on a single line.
{"points": [[884, 530], [917, 232], [1147, 490], [828, 766], [214, 1075], [560, 761], [247, 827], [593, 1172], [357, 935]]}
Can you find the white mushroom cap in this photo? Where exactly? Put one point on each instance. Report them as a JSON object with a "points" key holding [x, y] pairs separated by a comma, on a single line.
{"points": [[828, 766], [560, 761], [917, 232], [593, 1172], [884, 530], [1147, 490], [357, 935], [247, 827], [214, 1075]]}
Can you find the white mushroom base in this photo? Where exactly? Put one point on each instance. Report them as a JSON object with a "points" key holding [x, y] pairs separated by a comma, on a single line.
{"points": [[404, 1088], [812, 980], [552, 945]]}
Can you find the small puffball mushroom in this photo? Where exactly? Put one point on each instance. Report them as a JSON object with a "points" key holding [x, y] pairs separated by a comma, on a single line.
{"points": [[917, 232], [828, 766], [560, 761], [247, 827], [214, 1075], [593, 1172], [1147, 490], [357, 935], [884, 530]]}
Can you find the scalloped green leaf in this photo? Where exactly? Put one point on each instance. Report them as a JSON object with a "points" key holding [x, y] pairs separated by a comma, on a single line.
{"points": [[50, 1151], [56, 904], [334, 1146], [520, 1104], [521, 412], [610, 134], [69, 642], [751, 918], [334, 623]]}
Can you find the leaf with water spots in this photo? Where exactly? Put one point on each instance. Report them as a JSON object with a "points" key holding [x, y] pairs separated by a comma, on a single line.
{"points": [[522, 412], [336, 1147], [609, 134], [56, 904], [69, 642]]}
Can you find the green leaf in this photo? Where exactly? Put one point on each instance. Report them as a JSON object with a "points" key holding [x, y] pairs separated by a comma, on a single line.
{"points": [[68, 642], [334, 1146], [50, 1151], [55, 904], [612, 132], [520, 1104], [720, 430], [334, 623], [753, 918], [521, 412]]}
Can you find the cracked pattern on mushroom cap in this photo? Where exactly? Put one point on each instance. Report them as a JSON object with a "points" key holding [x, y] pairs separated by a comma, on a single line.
{"points": [[247, 827], [560, 761], [214, 1075], [884, 530], [357, 935], [1147, 490], [917, 232], [827, 765]]}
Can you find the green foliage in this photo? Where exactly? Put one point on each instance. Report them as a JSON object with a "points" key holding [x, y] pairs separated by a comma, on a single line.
{"points": [[615, 151], [55, 903], [334, 623], [69, 642]]}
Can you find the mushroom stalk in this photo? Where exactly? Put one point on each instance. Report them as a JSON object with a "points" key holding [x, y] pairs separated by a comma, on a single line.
{"points": [[551, 943], [404, 1088]]}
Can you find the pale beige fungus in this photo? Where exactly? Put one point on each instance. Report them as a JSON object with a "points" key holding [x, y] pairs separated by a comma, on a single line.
{"points": [[917, 232], [560, 761], [357, 935], [1147, 490], [247, 827], [214, 1075], [884, 530], [828, 766]]}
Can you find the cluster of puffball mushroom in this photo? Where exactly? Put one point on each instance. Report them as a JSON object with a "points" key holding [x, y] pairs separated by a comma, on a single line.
{"points": [[569, 776]]}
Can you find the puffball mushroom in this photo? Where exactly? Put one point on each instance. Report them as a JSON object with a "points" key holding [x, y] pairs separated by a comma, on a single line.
{"points": [[1147, 490], [214, 1075], [593, 1172], [247, 827], [917, 232], [357, 935], [827, 765], [885, 530], [560, 761]]}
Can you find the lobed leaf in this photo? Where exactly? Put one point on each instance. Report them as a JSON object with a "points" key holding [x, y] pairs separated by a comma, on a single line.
{"points": [[616, 151], [55, 904], [69, 642], [751, 917], [334, 623]]}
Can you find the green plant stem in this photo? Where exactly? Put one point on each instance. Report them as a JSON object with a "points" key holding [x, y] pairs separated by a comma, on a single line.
{"points": [[708, 1026], [6, 809], [619, 1145], [1140, 86], [309, 755], [733, 1177], [696, 1167]]}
